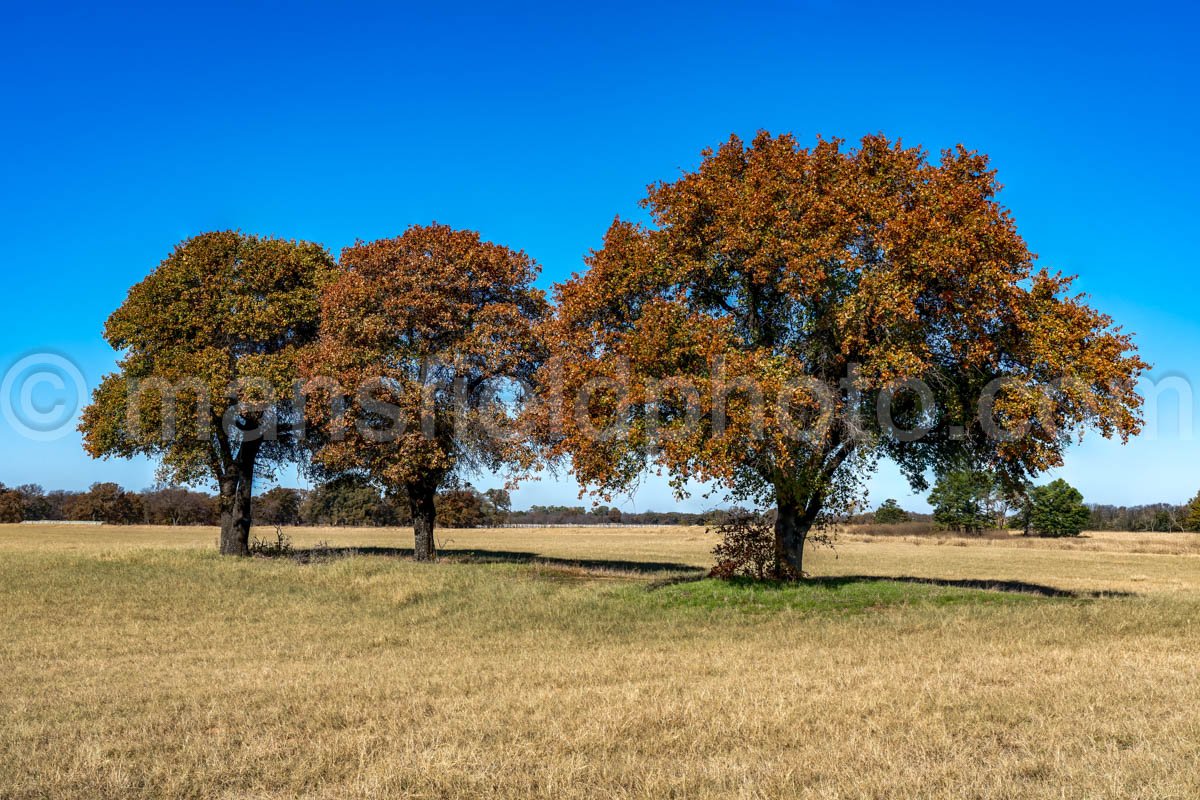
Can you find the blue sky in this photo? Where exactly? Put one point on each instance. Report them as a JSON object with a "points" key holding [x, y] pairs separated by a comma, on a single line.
{"points": [[131, 128]]}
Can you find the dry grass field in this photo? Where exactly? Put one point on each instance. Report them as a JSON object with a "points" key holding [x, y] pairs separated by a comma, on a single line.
{"points": [[565, 663]]}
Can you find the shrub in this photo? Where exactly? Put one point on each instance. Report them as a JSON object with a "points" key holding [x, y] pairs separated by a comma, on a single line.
{"points": [[282, 546], [747, 547]]}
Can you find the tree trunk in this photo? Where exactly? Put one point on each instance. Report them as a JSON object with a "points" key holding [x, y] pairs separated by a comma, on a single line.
{"points": [[236, 493], [791, 529], [420, 501], [235, 518]]}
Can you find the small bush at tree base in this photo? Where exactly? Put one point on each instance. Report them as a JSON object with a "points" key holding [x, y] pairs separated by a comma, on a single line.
{"points": [[747, 548], [282, 546]]}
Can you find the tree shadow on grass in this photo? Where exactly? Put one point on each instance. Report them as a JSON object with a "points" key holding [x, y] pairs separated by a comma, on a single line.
{"points": [[478, 556], [669, 573], [979, 584], [982, 584]]}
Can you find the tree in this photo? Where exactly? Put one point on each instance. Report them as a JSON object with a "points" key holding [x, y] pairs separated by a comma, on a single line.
{"points": [[34, 503], [767, 332], [461, 508], [1057, 509], [890, 513], [349, 500], [108, 503], [1191, 514], [210, 341], [11, 508], [176, 505], [429, 338], [498, 504], [56, 501], [279, 506], [961, 500]]}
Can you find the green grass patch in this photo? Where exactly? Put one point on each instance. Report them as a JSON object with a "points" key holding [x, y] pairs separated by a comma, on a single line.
{"points": [[827, 595]]}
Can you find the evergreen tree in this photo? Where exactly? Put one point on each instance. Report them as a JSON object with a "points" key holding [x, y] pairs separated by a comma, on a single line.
{"points": [[890, 513], [962, 500], [1057, 509]]}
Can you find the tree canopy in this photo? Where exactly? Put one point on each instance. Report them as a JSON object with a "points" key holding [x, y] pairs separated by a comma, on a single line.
{"points": [[428, 340], [210, 342], [890, 513], [1057, 509], [962, 501], [791, 315]]}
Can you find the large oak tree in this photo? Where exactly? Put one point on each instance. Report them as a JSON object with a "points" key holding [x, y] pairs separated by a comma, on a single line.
{"points": [[428, 343], [211, 340], [765, 333]]}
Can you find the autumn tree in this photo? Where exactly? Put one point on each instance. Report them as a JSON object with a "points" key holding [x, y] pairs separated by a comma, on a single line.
{"points": [[176, 505], [461, 508], [108, 503], [35, 505], [791, 315], [210, 342], [427, 340], [11, 507]]}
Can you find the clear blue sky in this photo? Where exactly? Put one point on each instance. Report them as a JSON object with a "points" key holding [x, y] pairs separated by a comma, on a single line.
{"points": [[126, 130]]}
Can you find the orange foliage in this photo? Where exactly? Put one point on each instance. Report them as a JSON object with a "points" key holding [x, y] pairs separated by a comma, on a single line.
{"points": [[745, 337]]}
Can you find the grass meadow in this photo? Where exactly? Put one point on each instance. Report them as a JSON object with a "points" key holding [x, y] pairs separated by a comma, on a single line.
{"points": [[589, 662]]}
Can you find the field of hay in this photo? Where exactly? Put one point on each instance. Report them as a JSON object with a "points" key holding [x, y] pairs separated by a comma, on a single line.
{"points": [[583, 662]]}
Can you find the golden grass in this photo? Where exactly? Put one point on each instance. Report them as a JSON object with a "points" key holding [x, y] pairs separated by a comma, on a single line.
{"points": [[137, 663]]}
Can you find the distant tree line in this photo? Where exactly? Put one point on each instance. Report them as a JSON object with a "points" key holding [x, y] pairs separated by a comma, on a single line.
{"points": [[344, 501], [972, 501], [1152, 517], [605, 515]]}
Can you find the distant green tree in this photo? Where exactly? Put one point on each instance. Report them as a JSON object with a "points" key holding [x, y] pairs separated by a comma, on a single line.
{"points": [[1057, 509], [1191, 514], [349, 500], [890, 513], [962, 500]]}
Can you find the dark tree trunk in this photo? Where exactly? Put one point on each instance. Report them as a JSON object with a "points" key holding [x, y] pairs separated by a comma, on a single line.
{"points": [[235, 518], [236, 493], [792, 524], [420, 501], [790, 532]]}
